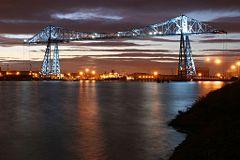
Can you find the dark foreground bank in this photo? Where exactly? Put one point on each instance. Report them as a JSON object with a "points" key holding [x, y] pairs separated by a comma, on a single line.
{"points": [[212, 126]]}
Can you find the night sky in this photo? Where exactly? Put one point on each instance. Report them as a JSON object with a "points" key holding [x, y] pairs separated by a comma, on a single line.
{"points": [[20, 20]]}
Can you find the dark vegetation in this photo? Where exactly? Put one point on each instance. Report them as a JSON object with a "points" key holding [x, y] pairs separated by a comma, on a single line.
{"points": [[212, 126]]}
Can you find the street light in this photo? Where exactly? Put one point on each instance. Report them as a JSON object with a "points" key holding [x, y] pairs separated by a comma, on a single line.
{"points": [[218, 61], [155, 73], [218, 74], [233, 67], [86, 69], [238, 64], [207, 59]]}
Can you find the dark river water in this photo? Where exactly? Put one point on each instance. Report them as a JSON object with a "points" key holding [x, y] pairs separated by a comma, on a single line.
{"points": [[93, 120]]}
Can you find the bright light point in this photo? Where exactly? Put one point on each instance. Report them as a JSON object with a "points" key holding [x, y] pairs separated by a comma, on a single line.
{"points": [[207, 59], [238, 63], [69, 74], [81, 73], [93, 72], [155, 73], [218, 75], [86, 69], [218, 61], [17, 73], [199, 74], [233, 67]]}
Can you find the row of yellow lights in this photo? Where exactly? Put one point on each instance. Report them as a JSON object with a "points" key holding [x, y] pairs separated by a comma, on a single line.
{"points": [[114, 73], [234, 66], [18, 73], [87, 71], [145, 77], [94, 72], [154, 73], [108, 76], [217, 61], [218, 74]]}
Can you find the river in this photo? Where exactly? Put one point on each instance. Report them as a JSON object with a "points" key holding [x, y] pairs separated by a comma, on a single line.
{"points": [[93, 120]]}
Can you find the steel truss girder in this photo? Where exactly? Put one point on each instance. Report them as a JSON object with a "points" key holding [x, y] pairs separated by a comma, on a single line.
{"points": [[55, 34], [176, 26]]}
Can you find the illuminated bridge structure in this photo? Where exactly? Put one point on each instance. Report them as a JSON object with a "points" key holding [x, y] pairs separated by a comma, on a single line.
{"points": [[182, 25]]}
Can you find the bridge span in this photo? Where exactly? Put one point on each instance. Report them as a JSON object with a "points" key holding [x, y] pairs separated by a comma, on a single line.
{"points": [[182, 26]]}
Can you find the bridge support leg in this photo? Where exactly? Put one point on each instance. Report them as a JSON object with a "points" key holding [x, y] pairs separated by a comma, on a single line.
{"points": [[49, 69], [55, 63], [46, 61], [186, 66]]}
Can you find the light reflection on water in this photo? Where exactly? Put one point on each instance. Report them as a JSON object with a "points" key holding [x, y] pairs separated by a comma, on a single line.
{"points": [[93, 120]]}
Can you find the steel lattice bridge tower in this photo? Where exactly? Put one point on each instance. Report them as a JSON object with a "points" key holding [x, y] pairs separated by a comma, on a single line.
{"points": [[182, 25]]}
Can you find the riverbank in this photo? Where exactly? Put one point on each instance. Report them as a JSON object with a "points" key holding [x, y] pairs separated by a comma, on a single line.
{"points": [[212, 126]]}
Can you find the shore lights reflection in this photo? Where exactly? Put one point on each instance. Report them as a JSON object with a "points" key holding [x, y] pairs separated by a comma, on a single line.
{"points": [[90, 131]]}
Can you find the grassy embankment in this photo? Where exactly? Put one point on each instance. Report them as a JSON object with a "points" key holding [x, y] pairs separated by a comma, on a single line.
{"points": [[212, 126]]}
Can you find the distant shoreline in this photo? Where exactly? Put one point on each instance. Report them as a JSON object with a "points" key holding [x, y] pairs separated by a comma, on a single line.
{"points": [[212, 126], [28, 78]]}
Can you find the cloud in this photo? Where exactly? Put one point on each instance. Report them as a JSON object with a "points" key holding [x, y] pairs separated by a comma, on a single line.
{"points": [[19, 21], [122, 50], [210, 15], [164, 61], [87, 14], [220, 41], [16, 36], [157, 39], [11, 40], [223, 50], [139, 54], [132, 57], [110, 44]]}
